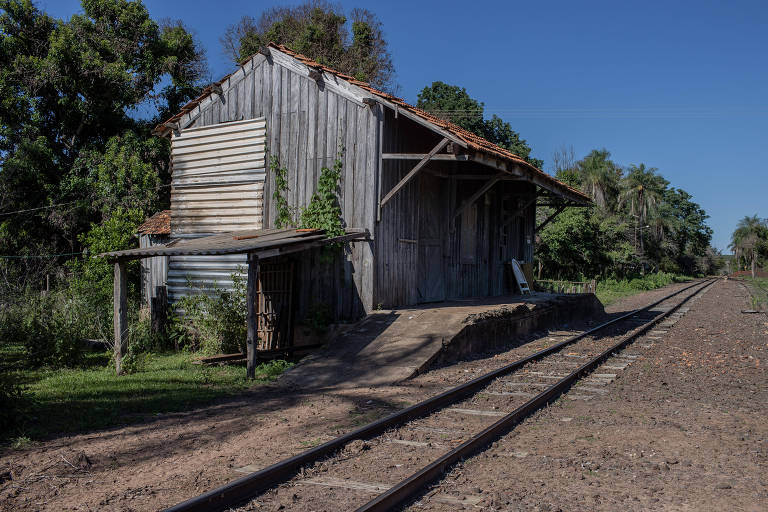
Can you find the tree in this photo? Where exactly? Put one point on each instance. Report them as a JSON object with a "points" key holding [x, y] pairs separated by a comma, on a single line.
{"points": [[681, 224], [749, 240], [580, 243], [454, 104], [354, 45], [667, 229], [599, 178], [70, 94], [642, 191]]}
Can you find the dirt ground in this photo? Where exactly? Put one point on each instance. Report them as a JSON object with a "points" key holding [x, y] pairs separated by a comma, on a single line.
{"points": [[684, 429]]}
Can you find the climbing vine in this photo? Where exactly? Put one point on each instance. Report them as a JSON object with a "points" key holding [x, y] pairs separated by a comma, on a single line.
{"points": [[285, 214], [323, 210]]}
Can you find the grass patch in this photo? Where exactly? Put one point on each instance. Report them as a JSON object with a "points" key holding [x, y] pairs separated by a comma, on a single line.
{"points": [[91, 397], [611, 290], [758, 288]]}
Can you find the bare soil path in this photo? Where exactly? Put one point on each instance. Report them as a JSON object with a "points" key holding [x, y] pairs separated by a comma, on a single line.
{"points": [[176, 456]]}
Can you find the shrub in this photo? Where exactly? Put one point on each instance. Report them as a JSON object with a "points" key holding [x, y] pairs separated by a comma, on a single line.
{"points": [[49, 327], [213, 322], [11, 402]]}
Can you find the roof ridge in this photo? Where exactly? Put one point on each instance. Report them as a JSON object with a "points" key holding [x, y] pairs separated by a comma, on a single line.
{"points": [[472, 140]]}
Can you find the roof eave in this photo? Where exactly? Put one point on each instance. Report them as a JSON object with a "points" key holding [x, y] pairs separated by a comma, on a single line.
{"points": [[529, 172]]}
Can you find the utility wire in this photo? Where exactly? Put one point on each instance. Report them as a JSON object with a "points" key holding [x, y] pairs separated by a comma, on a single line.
{"points": [[36, 209], [9, 257]]}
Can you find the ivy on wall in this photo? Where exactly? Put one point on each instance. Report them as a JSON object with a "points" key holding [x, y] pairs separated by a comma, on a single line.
{"points": [[285, 214], [322, 212]]}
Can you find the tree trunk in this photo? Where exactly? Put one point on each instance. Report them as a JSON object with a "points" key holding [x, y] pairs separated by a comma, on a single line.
{"points": [[753, 265]]}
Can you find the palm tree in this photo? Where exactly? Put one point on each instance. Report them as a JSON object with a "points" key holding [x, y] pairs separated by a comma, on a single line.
{"points": [[642, 191], [748, 239], [599, 177]]}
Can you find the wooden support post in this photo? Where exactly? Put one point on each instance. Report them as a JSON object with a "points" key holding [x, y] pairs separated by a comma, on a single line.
{"points": [[251, 317], [408, 177], [158, 310], [549, 219], [120, 313]]}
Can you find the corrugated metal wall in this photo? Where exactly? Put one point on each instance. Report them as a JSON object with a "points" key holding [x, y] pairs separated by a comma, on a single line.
{"points": [[307, 127], [193, 275], [218, 177]]}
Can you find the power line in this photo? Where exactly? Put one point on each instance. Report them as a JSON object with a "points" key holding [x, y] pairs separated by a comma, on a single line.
{"points": [[610, 113], [36, 209], [30, 256]]}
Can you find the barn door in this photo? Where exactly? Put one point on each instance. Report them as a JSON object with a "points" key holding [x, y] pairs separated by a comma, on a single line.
{"points": [[432, 225]]}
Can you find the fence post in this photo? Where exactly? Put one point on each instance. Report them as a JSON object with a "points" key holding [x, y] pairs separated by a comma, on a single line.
{"points": [[253, 336], [120, 313], [158, 309]]}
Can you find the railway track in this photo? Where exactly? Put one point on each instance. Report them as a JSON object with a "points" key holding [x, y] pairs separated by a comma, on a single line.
{"points": [[389, 462]]}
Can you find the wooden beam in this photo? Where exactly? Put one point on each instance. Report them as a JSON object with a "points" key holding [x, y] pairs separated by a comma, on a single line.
{"points": [[251, 317], [120, 319], [517, 212], [530, 175], [408, 177], [549, 219], [349, 237], [474, 197], [422, 156]]}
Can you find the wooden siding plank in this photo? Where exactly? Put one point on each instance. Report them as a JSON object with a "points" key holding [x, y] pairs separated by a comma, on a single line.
{"points": [[311, 137]]}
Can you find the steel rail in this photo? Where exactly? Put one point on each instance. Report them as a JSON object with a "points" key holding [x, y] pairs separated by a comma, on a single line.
{"points": [[410, 487], [246, 487]]}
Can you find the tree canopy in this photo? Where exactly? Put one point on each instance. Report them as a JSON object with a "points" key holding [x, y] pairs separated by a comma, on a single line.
{"points": [[453, 103], [638, 223], [749, 242], [353, 44], [78, 99]]}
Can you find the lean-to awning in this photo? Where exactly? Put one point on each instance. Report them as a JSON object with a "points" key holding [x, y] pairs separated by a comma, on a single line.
{"points": [[262, 243], [258, 244]]}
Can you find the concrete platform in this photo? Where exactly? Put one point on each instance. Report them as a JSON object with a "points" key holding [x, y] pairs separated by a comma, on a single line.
{"points": [[389, 346]]}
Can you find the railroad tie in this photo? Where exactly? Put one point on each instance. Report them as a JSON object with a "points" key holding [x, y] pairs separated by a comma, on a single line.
{"points": [[476, 412]]}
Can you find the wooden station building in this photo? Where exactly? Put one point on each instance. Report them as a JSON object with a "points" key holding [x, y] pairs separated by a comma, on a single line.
{"points": [[433, 212]]}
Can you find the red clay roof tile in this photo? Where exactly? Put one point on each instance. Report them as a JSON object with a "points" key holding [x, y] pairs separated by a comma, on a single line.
{"points": [[158, 224]]}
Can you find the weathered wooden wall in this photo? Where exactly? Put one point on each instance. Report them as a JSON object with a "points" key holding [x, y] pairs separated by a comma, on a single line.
{"points": [[154, 271], [476, 272], [308, 126]]}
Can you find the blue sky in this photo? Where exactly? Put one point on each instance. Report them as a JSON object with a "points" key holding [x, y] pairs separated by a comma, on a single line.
{"points": [[681, 86]]}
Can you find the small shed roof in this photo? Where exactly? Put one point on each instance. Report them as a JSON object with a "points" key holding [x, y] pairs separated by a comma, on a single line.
{"points": [[264, 243], [158, 224]]}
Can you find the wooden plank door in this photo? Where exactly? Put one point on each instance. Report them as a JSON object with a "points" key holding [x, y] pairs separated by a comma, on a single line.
{"points": [[274, 304], [433, 207]]}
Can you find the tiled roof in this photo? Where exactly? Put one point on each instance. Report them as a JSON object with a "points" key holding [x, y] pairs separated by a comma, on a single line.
{"points": [[158, 224], [473, 141]]}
